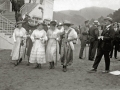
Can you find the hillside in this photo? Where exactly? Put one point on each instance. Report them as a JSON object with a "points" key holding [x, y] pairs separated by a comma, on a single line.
{"points": [[74, 18], [78, 17], [95, 12]]}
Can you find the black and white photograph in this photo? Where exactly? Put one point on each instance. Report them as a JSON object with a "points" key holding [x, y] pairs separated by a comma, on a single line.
{"points": [[59, 44]]}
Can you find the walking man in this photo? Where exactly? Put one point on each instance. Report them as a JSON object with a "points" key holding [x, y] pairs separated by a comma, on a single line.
{"points": [[84, 38], [104, 46]]}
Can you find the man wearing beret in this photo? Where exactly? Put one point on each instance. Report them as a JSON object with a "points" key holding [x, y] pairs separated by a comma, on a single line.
{"points": [[104, 46]]}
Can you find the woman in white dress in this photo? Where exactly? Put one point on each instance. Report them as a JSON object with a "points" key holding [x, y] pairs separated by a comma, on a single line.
{"points": [[37, 55], [19, 37], [52, 50]]}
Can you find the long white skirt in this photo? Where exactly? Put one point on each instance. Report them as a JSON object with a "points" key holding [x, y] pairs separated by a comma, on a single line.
{"points": [[38, 53], [17, 51]]}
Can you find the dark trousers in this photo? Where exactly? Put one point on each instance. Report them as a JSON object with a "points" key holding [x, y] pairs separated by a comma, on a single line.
{"points": [[83, 45], [92, 49], [116, 44], [98, 58]]}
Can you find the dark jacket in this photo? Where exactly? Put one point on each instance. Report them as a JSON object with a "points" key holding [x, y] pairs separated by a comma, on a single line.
{"points": [[93, 33], [117, 36], [108, 36]]}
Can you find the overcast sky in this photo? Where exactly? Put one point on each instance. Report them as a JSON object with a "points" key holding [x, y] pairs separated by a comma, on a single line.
{"points": [[79, 4]]}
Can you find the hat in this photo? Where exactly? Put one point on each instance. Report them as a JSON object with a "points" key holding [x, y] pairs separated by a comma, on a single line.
{"points": [[20, 22], [109, 19], [53, 23], [96, 22], [86, 21], [66, 22], [59, 24]]}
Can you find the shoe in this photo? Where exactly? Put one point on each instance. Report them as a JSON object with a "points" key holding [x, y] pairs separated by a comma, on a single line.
{"points": [[53, 65], [115, 57], [110, 56], [50, 66], [20, 60], [64, 69], [106, 71], [93, 71], [91, 60], [37, 66], [80, 58], [28, 64]]}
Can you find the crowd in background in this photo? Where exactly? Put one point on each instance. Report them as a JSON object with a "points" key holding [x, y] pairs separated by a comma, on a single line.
{"points": [[55, 41]]}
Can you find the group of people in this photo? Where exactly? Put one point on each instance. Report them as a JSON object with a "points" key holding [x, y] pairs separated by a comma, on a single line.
{"points": [[101, 40], [55, 41], [42, 46]]}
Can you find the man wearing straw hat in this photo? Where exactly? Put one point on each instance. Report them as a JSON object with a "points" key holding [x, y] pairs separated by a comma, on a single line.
{"points": [[104, 46], [67, 46]]}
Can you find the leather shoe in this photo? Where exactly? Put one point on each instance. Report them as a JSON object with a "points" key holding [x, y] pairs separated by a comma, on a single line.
{"points": [[106, 71], [93, 71]]}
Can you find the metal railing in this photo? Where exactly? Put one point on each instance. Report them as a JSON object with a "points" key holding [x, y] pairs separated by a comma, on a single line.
{"points": [[6, 26]]}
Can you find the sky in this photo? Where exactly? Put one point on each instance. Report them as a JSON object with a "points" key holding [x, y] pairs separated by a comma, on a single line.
{"points": [[79, 4]]}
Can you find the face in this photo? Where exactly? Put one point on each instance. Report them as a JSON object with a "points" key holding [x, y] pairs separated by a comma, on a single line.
{"points": [[65, 27], [115, 25], [40, 27], [59, 27], [107, 22], [19, 25], [87, 24], [52, 27], [99, 27]]}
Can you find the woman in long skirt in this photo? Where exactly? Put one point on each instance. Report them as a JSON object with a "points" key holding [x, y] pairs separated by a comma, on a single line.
{"points": [[37, 55], [19, 36], [52, 50]]}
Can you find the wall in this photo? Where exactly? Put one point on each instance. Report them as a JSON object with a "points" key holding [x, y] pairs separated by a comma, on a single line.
{"points": [[48, 9], [36, 12], [5, 42]]}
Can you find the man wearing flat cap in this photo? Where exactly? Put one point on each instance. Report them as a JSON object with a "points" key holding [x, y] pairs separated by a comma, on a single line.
{"points": [[84, 38], [93, 37], [104, 46]]}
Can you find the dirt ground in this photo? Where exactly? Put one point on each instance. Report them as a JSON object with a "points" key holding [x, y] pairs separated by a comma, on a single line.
{"points": [[25, 77]]}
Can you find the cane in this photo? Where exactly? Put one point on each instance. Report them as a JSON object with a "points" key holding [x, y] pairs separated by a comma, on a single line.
{"points": [[56, 51]]}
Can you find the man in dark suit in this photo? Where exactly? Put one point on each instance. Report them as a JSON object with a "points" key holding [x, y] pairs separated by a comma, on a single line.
{"points": [[115, 41], [84, 38], [93, 37], [104, 46]]}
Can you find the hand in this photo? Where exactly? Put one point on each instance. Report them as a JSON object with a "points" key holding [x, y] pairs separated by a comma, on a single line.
{"points": [[100, 37], [14, 41]]}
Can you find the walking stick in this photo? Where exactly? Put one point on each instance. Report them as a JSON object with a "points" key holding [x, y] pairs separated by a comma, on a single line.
{"points": [[85, 52], [56, 52]]}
